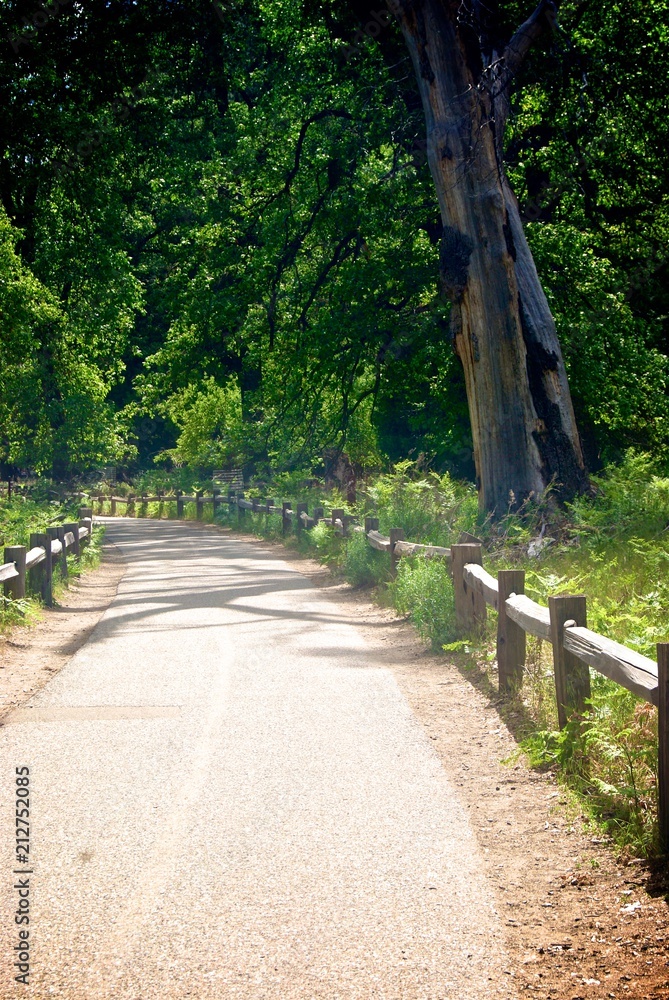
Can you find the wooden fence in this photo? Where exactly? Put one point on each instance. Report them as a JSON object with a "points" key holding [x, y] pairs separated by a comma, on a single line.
{"points": [[563, 623], [32, 568]]}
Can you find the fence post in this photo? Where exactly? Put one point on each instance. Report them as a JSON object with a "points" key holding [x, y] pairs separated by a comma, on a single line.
{"points": [[74, 528], [199, 505], [241, 512], [85, 512], [85, 522], [396, 535], [371, 524], [63, 552], [130, 505], [572, 676], [16, 588], [180, 505], [510, 636], [300, 508], [36, 574], [318, 514], [46, 576], [52, 534], [215, 502], [285, 517], [663, 744], [466, 538], [470, 607], [337, 515], [85, 515]]}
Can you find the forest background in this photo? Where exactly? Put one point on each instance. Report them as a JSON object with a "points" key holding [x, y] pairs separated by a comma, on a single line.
{"points": [[219, 240]]}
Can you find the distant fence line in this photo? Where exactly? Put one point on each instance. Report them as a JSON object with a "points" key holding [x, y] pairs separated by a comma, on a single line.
{"points": [[30, 569], [563, 623]]}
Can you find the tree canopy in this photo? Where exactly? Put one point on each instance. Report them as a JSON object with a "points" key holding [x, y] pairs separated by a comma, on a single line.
{"points": [[219, 239]]}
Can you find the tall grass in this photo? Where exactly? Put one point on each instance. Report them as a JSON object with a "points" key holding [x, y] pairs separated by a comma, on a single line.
{"points": [[429, 508], [20, 516], [423, 590]]}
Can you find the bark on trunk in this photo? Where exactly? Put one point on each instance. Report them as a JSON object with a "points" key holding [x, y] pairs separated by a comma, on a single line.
{"points": [[523, 424]]}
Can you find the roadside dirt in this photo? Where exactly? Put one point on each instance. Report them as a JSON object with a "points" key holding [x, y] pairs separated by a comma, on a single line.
{"points": [[31, 655], [579, 923]]}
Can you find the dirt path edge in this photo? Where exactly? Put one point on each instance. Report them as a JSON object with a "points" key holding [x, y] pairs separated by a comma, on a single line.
{"points": [[30, 655]]}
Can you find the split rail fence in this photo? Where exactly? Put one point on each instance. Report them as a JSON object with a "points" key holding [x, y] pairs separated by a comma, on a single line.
{"points": [[563, 623], [31, 568]]}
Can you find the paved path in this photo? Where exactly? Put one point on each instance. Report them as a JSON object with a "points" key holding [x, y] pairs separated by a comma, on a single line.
{"points": [[232, 799]]}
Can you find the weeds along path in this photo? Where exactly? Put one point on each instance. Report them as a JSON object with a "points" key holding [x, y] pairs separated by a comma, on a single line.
{"points": [[231, 797]]}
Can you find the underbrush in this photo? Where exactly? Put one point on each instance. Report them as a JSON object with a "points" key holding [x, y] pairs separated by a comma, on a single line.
{"points": [[614, 547], [22, 515], [423, 591], [609, 759]]}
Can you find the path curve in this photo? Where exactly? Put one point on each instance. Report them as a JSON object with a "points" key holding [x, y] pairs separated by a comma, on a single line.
{"points": [[232, 799]]}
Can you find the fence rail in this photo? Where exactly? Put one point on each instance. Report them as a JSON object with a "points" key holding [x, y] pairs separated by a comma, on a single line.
{"points": [[563, 623], [32, 568]]}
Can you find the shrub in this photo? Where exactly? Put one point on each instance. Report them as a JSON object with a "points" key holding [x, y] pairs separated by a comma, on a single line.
{"points": [[424, 591], [363, 565], [609, 757], [629, 497], [431, 509]]}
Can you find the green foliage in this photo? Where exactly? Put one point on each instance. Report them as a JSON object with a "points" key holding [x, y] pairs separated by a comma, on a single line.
{"points": [[19, 517], [19, 612], [242, 205], [363, 566], [27, 309], [297, 485], [52, 400], [630, 497], [186, 479], [424, 591], [610, 758], [584, 151], [613, 548], [322, 542], [209, 418], [22, 515], [430, 509]]}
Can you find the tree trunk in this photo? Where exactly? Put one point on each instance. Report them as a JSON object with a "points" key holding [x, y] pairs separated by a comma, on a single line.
{"points": [[523, 424]]}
